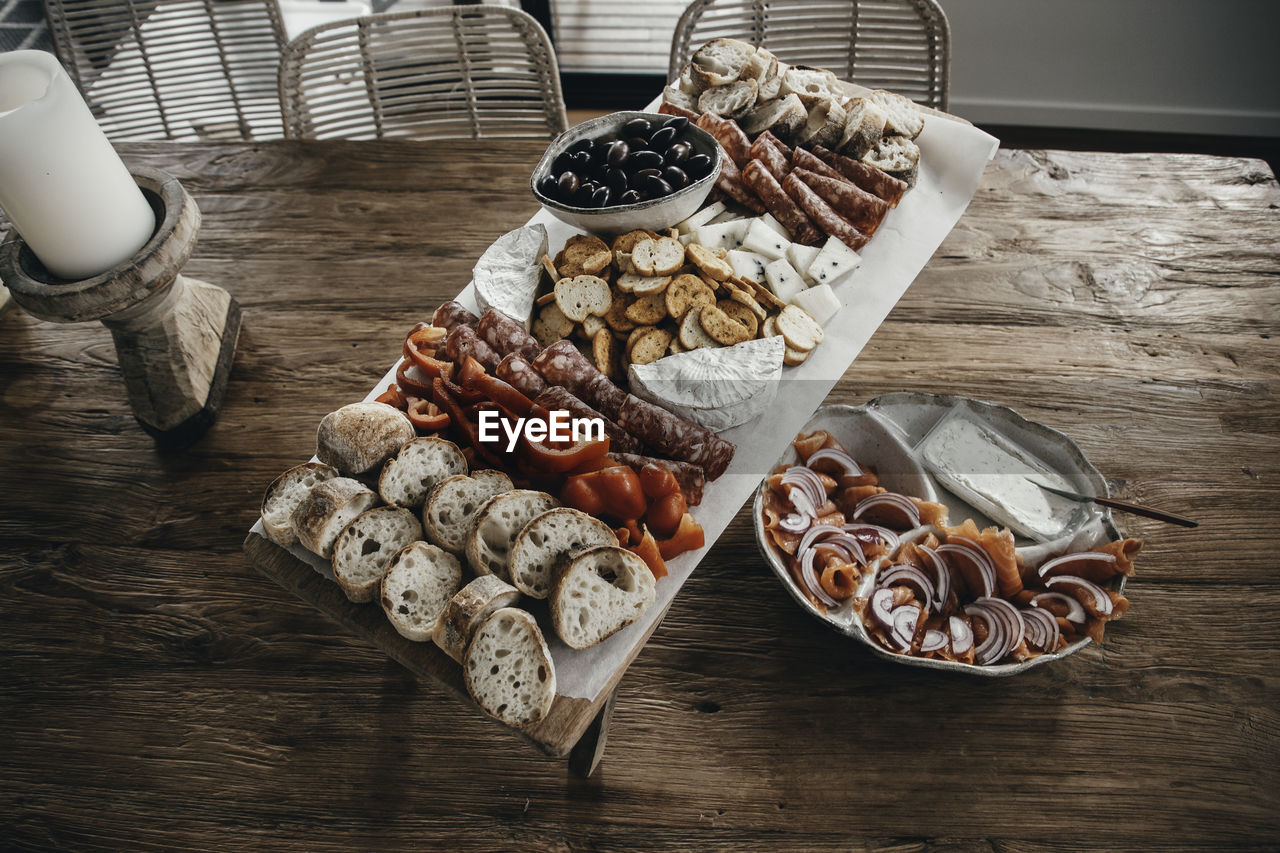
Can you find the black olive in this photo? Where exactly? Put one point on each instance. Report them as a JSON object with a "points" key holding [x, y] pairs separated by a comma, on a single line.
{"points": [[638, 143], [562, 163], [582, 198], [598, 154], [657, 187], [630, 197], [698, 166], [601, 197], [637, 127], [580, 160], [608, 138], [662, 139], [678, 122], [547, 186], [617, 153], [641, 176], [568, 184], [638, 160], [677, 153], [675, 176], [616, 180], [581, 145]]}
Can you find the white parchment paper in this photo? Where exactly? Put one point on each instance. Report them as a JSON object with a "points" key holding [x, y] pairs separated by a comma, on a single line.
{"points": [[953, 157]]}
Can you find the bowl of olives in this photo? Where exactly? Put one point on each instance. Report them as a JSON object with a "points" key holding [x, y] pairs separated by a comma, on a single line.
{"points": [[627, 170]]}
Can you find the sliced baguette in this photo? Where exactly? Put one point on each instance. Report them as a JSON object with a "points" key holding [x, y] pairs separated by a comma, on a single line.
{"points": [[810, 84], [730, 100], [601, 591], [825, 125], [417, 588], [508, 669], [452, 505], [902, 117], [496, 526], [784, 117], [863, 126], [674, 96], [362, 436], [415, 470], [365, 548], [771, 83], [549, 542], [283, 496], [470, 606], [720, 62], [326, 510], [898, 156]]}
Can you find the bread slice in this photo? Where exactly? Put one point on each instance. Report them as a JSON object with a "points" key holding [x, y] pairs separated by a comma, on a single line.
{"points": [[902, 117], [497, 525], [365, 548], [863, 126], [688, 83], [417, 587], [362, 436], [896, 155], [326, 510], [784, 117], [811, 84], [825, 125], [720, 62], [470, 606], [452, 504], [730, 100], [771, 83], [283, 496], [508, 669], [674, 96], [549, 542], [601, 591], [415, 470]]}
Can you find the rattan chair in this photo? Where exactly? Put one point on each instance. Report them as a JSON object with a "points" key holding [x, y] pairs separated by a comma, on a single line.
{"points": [[461, 72], [174, 69], [903, 45]]}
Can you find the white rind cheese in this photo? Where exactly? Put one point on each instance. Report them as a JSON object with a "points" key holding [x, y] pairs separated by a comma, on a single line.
{"points": [[783, 280], [819, 301], [506, 276], [763, 240], [834, 262], [717, 388]]}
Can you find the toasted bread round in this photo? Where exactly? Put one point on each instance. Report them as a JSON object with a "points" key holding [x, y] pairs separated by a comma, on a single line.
{"points": [[547, 544], [798, 327], [722, 328], [583, 295]]}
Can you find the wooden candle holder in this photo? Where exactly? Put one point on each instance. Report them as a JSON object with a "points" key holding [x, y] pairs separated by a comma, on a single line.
{"points": [[175, 336]]}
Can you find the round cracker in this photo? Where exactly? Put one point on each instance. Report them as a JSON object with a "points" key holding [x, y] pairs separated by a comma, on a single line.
{"points": [[737, 311], [708, 262], [647, 310], [798, 328], [722, 328], [692, 335], [649, 346], [583, 295], [649, 286]]}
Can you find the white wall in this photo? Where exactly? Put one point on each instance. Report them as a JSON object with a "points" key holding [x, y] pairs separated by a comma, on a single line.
{"points": [[1185, 66]]}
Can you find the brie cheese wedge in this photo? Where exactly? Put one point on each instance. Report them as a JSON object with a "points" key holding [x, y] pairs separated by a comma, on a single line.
{"points": [[717, 388], [506, 276]]}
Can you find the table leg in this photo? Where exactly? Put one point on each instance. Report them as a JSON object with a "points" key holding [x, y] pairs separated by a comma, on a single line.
{"points": [[586, 754]]}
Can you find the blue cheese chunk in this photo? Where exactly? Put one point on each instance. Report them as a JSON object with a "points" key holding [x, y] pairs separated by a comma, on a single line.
{"points": [[747, 265], [820, 301], [783, 279], [834, 262], [763, 240]]}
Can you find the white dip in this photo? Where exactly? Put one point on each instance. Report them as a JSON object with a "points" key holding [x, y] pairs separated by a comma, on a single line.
{"points": [[977, 465]]}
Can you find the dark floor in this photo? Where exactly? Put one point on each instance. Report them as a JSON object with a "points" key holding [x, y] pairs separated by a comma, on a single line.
{"points": [[22, 26]]}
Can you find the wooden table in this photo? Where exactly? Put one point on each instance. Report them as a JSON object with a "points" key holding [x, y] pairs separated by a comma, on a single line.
{"points": [[159, 692]]}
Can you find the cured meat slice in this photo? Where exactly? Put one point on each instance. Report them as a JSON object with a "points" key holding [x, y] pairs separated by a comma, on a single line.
{"points": [[451, 314], [864, 210], [781, 205], [802, 159], [822, 215], [867, 177], [554, 398], [763, 151], [561, 364], [675, 437], [516, 371], [782, 147], [463, 341], [730, 183], [506, 335], [729, 135], [692, 478]]}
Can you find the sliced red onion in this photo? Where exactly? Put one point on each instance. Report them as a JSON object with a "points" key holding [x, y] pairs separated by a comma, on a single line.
{"points": [[794, 522], [1039, 629], [805, 490], [1075, 610], [901, 503], [934, 640], [874, 533], [943, 586], [846, 545], [905, 573], [841, 460], [961, 635], [1004, 628], [816, 532], [973, 552], [810, 577], [1101, 602], [1084, 556], [905, 619], [882, 608]]}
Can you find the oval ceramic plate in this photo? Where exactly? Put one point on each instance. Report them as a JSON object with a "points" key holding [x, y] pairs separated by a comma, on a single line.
{"points": [[882, 433]]}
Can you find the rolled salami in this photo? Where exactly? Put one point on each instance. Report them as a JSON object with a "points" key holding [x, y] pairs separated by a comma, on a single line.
{"points": [[777, 143], [867, 177], [561, 364], [506, 335], [516, 371], [864, 210], [670, 109], [451, 314], [730, 183], [674, 437], [781, 205], [802, 159], [555, 397], [692, 478], [463, 341], [729, 135], [822, 215], [771, 158]]}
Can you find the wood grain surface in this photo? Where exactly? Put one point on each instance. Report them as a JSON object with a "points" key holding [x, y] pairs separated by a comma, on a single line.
{"points": [[159, 693]]}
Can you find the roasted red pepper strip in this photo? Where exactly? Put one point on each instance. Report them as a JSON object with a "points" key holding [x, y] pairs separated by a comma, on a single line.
{"points": [[463, 424], [658, 482], [611, 492], [426, 415], [409, 385], [420, 348], [473, 376], [687, 538], [580, 493], [560, 460], [647, 549], [392, 397], [666, 513]]}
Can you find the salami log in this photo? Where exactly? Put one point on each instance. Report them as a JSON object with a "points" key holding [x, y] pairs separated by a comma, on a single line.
{"points": [[674, 437], [867, 177], [729, 135], [781, 205], [692, 478], [802, 159], [506, 335], [451, 314], [561, 364], [864, 210], [822, 215], [771, 158], [463, 341], [516, 371], [555, 397]]}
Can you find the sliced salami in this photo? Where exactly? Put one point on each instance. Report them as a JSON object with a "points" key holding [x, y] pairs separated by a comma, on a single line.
{"points": [[692, 478], [451, 314], [516, 371], [782, 147], [730, 183], [463, 341], [802, 159], [822, 215], [561, 364], [506, 335], [675, 437], [555, 397], [729, 135], [863, 209], [771, 158], [781, 205], [867, 177]]}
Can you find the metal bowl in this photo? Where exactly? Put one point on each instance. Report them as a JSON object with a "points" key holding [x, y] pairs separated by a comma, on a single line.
{"points": [[653, 214], [882, 433]]}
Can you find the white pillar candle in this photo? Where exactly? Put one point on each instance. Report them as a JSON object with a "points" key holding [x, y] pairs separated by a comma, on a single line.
{"points": [[62, 185]]}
